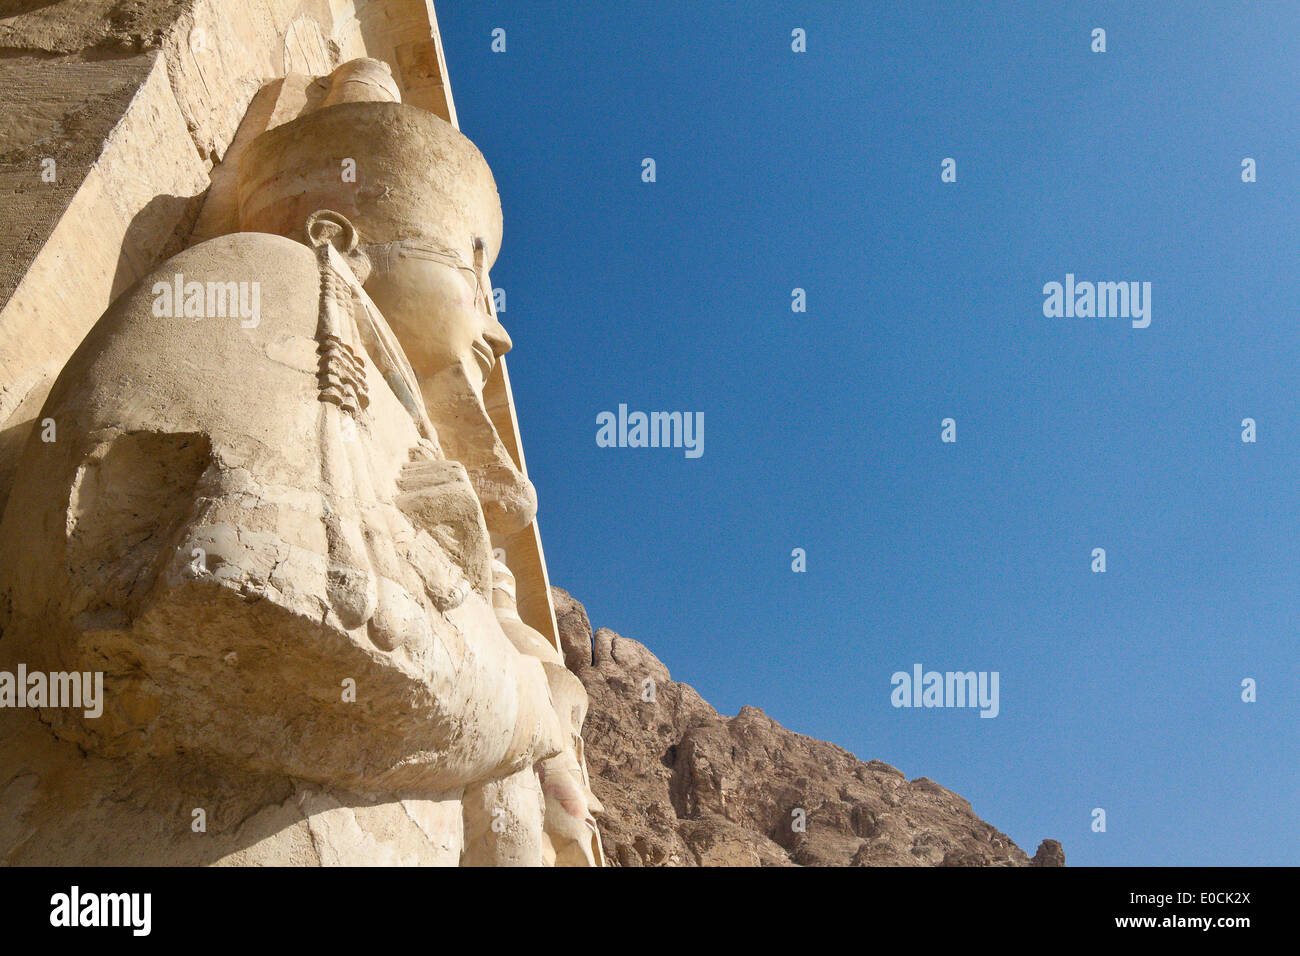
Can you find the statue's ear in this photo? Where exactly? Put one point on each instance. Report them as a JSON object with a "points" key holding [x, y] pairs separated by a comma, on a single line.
{"points": [[325, 227]]}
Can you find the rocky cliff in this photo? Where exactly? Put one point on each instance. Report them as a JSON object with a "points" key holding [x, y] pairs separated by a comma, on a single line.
{"points": [[684, 786]]}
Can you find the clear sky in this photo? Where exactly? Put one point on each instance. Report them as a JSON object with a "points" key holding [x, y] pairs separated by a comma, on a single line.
{"points": [[779, 170]]}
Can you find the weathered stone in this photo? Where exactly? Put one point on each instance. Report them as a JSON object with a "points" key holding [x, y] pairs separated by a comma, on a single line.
{"points": [[683, 786], [1050, 853], [574, 630]]}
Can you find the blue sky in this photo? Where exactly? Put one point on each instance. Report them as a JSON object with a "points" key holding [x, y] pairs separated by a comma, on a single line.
{"points": [[820, 171]]}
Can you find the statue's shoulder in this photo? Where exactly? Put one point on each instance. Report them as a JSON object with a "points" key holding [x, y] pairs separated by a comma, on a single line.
{"points": [[236, 257], [245, 284]]}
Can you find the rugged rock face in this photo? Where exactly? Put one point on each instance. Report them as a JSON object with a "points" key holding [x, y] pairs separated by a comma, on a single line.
{"points": [[684, 786], [1050, 853]]}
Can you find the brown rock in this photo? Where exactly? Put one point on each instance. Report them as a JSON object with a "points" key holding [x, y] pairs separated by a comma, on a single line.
{"points": [[1050, 853], [685, 786], [575, 630]]}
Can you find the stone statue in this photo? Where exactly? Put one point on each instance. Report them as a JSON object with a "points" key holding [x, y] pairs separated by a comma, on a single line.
{"points": [[268, 518]]}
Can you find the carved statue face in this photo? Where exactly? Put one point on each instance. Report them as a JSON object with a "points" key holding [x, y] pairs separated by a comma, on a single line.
{"points": [[427, 209], [437, 306]]}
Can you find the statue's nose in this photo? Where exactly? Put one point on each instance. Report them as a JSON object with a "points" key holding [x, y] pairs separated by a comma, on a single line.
{"points": [[498, 338]]}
